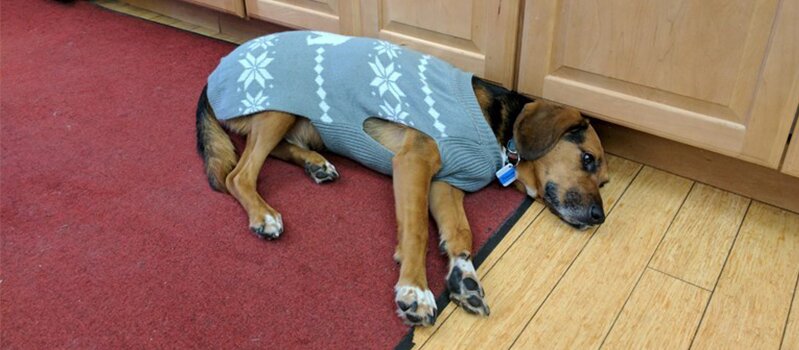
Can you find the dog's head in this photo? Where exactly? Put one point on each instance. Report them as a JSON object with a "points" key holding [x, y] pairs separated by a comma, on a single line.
{"points": [[562, 162]]}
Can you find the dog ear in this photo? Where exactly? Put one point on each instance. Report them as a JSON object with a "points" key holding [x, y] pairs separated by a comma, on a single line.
{"points": [[541, 124]]}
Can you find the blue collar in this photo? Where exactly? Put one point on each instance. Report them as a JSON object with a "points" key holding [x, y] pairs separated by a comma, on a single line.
{"points": [[509, 154]]}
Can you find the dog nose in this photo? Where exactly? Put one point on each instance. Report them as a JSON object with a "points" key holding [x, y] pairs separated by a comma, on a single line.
{"points": [[597, 214]]}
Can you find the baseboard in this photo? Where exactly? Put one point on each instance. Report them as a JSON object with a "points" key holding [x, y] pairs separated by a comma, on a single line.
{"points": [[195, 18], [730, 174]]}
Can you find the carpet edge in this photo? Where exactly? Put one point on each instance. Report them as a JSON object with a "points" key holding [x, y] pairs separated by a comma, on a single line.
{"points": [[442, 300]]}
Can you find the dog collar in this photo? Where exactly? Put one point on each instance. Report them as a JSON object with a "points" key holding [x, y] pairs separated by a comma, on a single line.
{"points": [[510, 158], [509, 154]]}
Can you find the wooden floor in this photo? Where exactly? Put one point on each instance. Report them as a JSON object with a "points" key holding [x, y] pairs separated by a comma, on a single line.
{"points": [[676, 265]]}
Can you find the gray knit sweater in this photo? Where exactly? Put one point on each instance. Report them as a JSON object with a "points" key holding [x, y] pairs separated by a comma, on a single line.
{"points": [[337, 82]]}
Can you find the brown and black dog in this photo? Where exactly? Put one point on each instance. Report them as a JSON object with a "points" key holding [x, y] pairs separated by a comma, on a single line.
{"points": [[561, 163]]}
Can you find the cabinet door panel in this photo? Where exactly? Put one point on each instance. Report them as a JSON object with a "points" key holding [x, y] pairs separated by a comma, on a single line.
{"points": [[718, 74], [475, 35], [335, 16]]}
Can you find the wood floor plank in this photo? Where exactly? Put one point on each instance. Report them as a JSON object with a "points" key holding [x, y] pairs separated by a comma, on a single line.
{"points": [[521, 280], [421, 334], [750, 305], [698, 242], [581, 309], [662, 313], [791, 338]]}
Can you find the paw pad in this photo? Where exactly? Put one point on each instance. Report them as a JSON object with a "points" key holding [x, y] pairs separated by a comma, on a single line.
{"points": [[270, 227], [321, 173], [464, 288], [415, 306]]}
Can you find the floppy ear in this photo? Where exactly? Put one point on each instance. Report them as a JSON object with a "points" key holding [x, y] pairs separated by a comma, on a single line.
{"points": [[541, 124]]}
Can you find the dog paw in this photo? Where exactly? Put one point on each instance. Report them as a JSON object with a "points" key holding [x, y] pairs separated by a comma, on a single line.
{"points": [[464, 287], [321, 173], [268, 226], [415, 306]]}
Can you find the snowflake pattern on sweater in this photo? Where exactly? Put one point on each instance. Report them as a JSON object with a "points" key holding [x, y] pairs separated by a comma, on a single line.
{"points": [[338, 82]]}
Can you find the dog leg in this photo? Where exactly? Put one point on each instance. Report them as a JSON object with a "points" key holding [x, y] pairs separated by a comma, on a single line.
{"points": [[446, 205], [266, 131], [316, 166], [414, 164]]}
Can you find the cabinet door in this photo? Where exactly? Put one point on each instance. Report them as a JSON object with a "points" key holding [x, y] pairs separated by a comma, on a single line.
{"points": [[335, 16], [235, 7], [791, 164], [717, 74], [475, 35]]}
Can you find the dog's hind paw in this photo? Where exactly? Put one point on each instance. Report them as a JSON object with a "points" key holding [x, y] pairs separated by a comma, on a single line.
{"points": [[321, 173], [415, 306], [269, 226], [464, 287]]}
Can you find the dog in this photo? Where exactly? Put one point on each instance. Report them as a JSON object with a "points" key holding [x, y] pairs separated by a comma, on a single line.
{"points": [[436, 130]]}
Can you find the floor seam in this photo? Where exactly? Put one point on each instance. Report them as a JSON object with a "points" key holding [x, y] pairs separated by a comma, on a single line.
{"points": [[524, 231], [641, 276], [723, 266], [637, 173], [790, 309], [679, 279]]}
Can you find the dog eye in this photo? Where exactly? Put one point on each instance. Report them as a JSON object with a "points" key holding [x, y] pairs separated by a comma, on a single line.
{"points": [[589, 163], [588, 159]]}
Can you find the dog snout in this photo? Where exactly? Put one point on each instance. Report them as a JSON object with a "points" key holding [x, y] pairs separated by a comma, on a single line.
{"points": [[596, 214]]}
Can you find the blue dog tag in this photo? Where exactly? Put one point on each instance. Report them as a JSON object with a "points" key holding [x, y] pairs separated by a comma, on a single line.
{"points": [[506, 175]]}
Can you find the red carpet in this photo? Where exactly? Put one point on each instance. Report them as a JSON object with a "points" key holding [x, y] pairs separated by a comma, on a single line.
{"points": [[111, 237]]}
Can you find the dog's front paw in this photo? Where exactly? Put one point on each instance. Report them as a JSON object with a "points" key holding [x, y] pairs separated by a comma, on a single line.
{"points": [[415, 306], [464, 287], [321, 173], [268, 226]]}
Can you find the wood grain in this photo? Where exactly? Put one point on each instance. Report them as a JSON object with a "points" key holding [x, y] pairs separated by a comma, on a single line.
{"points": [[790, 165], [479, 36], [185, 12], [581, 309], [195, 18], [730, 174], [521, 280], [685, 125], [330, 16], [699, 240], [422, 334], [730, 85], [538, 44], [777, 95], [235, 7], [751, 302], [791, 339], [662, 313], [239, 30]]}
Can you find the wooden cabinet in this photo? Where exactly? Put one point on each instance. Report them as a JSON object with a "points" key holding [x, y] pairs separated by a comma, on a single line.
{"points": [[722, 75], [235, 7], [718, 74], [791, 164], [475, 35], [335, 16]]}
